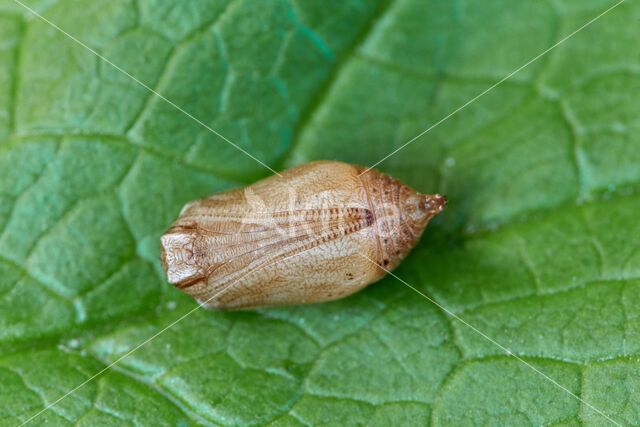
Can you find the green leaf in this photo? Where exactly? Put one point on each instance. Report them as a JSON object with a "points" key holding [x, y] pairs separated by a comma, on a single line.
{"points": [[538, 248]]}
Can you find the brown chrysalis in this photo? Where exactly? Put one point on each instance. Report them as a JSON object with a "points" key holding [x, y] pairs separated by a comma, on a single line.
{"points": [[306, 236]]}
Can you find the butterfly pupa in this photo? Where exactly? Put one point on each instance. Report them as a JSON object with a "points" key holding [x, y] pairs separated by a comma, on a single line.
{"points": [[320, 231]]}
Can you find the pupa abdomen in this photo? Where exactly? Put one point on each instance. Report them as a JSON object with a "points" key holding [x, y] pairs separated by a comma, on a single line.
{"points": [[321, 231]]}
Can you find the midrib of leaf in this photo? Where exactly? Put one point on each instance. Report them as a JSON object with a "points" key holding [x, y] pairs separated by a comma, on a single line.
{"points": [[321, 94]]}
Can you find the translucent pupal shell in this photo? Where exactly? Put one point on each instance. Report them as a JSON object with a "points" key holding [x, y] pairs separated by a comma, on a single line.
{"points": [[321, 231]]}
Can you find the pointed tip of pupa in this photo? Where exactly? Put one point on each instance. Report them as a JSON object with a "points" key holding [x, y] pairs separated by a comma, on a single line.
{"points": [[434, 203]]}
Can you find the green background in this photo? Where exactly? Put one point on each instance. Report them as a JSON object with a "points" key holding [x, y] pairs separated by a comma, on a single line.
{"points": [[539, 247]]}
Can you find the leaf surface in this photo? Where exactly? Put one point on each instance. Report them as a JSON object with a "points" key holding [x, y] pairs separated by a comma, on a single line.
{"points": [[538, 248]]}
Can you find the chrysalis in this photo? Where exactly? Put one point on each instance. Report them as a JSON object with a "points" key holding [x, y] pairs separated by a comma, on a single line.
{"points": [[313, 234]]}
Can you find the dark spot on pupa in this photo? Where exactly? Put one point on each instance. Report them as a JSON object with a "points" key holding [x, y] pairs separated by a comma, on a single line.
{"points": [[368, 217], [385, 262]]}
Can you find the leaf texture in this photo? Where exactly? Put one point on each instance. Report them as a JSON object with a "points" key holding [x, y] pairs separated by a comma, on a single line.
{"points": [[538, 248]]}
